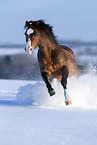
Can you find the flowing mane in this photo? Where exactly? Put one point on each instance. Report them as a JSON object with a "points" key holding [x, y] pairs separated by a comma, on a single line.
{"points": [[48, 30]]}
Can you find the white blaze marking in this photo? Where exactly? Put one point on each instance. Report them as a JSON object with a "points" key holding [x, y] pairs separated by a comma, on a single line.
{"points": [[29, 48], [30, 31]]}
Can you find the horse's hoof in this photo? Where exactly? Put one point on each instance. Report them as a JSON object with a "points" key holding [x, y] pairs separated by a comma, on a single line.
{"points": [[68, 102], [52, 93]]}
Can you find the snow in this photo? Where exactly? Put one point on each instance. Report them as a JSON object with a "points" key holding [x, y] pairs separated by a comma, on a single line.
{"points": [[51, 127], [11, 51], [28, 115]]}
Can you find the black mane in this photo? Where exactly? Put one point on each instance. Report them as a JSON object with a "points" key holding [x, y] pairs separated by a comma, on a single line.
{"points": [[48, 29], [42, 26]]}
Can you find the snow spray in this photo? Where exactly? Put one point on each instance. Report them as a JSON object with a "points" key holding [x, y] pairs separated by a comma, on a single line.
{"points": [[82, 92]]}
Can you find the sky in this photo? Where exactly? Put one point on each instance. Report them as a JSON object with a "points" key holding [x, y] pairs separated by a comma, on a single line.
{"points": [[71, 19]]}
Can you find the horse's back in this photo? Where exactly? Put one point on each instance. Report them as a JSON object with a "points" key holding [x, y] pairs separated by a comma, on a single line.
{"points": [[71, 64], [67, 49]]}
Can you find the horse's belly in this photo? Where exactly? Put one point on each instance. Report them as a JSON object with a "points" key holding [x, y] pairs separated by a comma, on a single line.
{"points": [[57, 74]]}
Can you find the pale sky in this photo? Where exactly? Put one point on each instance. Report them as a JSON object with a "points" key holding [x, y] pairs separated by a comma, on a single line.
{"points": [[72, 19]]}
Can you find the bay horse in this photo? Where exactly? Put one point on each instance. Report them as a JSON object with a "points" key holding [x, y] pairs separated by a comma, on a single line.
{"points": [[55, 61]]}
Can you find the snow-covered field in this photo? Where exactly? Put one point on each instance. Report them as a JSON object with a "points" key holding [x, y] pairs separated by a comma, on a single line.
{"points": [[29, 116]]}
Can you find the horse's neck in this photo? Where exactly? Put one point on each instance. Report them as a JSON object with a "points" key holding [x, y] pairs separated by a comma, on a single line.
{"points": [[47, 46]]}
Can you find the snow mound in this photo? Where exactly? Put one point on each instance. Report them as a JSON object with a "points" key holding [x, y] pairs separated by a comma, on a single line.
{"points": [[37, 95], [82, 91]]}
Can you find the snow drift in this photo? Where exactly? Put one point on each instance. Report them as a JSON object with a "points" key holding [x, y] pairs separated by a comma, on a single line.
{"points": [[82, 91]]}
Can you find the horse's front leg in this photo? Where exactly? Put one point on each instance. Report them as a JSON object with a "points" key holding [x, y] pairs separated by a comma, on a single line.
{"points": [[64, 84], [48, 85]]}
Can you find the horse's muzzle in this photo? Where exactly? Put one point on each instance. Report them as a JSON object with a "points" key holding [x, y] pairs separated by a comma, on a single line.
{"points": [[29, 51]]}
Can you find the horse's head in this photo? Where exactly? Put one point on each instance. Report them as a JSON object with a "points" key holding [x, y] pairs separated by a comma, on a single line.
{"points": [[32, 36], [37, 33]]}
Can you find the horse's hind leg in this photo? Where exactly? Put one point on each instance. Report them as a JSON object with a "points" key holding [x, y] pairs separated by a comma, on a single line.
{"points": [[64, 84], [48, 85]]}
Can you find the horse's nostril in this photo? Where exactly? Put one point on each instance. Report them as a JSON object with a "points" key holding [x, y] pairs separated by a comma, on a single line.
{"points": [[25, 49]]}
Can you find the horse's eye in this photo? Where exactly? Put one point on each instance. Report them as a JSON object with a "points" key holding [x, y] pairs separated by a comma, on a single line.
{"points": [[37, 34]]}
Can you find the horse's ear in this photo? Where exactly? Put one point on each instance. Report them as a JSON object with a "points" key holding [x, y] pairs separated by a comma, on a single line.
{"points": [[26, 24]]}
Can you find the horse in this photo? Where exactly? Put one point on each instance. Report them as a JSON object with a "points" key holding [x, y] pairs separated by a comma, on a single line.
{"points": [[55, 61]]}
